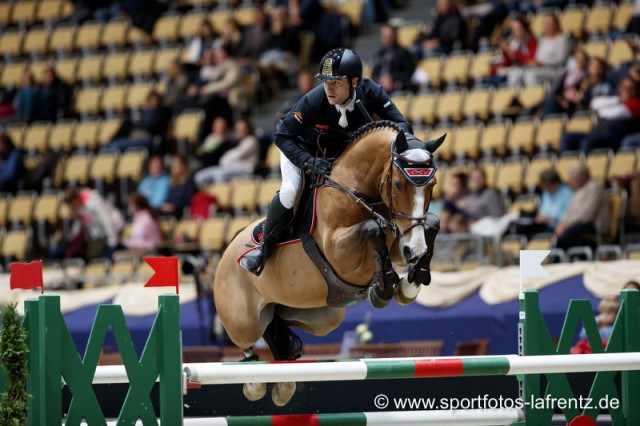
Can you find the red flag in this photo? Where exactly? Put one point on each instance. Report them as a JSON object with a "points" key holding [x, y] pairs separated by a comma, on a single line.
{"points": [[26, 275], [166, 272]]}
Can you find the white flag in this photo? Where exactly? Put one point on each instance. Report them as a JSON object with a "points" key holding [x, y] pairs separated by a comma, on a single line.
{"points": [[530, 263]]}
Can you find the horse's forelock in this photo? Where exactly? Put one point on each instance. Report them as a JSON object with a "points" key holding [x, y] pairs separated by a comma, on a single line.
{"points": [[372, 126]]}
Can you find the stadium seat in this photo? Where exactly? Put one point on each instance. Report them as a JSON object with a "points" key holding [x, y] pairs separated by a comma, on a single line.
{"points": [[186, 235], [96, 273], [542, 241], [423, 108], [480, 67], [87, 101], [466, 141], [527, 203], [219, 18], [490, 168], [623, 164], [141, 63], [598, 162], [246, 15], [476, 103], [24, 12], [38, 68], [612, 229], [550, 132], [76, 168], [502, 101], [114, 34], [137, 95], [632, 252], [522, 136], [190, 24], [88, 36], [90, 68], [66, 69], [537, 164], [511, 174], [565, 162], [244, 196], [12, 74], [61, 136], [433, 68], [5, 201], [165, 57], [11, 43], [36, 41], [493, 140], [532, 96], [36, 137], [608, 252], [86, 134], [266, 192], [186, 126], [408, 33], [103, 170], [107, 130], [450, 106], [621, 52], [212, 236], [597, 48], [510, 246], [21, 208], [138, 37], [45, 215], [624, 13], [165, 29], [5, 13], [401, 101], [16, 244], [130, 170], [113, 99], [455, 69], [580, 122], [446, 150], [599, 19], [572, 20], [222, 192], [116, 65], [16, 132], [123, 270], [62, 39], [237, 224]]}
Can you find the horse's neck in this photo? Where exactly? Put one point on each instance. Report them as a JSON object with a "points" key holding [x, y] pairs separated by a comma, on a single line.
{"points": [[362, 166]]}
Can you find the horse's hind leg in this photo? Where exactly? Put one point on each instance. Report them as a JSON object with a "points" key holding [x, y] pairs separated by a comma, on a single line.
{"points": [[381, 293], [285, 345]]}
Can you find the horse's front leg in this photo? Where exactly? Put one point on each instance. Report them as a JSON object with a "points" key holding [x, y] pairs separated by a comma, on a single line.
{"points": [[381, 292], [420, 272]]}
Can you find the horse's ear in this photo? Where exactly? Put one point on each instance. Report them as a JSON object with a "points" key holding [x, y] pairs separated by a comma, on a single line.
{"points": [[435, 144], [401, 143]]}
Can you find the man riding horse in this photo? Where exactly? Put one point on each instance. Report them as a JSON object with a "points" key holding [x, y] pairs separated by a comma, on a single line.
{"points": [[343, 103]]}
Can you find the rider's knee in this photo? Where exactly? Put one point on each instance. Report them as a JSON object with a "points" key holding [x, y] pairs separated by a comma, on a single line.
{"points": [[288, 194]]}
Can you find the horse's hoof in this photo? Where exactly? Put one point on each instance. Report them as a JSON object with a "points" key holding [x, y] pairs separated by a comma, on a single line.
{"points": [[282, 393], [377, 298], [406, 292], [254, 391]]}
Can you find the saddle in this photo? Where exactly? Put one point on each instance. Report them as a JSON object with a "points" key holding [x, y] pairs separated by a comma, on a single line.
{"points": [[341, 293]]}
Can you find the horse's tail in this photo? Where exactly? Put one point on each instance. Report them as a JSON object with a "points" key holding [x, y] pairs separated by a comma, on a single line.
{"points": [[283, 343]]}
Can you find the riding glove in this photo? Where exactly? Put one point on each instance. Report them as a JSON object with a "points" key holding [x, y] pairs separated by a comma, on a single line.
{"points": [[317, 166]]}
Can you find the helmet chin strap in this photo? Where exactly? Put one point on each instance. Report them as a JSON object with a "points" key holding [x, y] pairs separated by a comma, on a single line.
{"points": [[349, 97]]}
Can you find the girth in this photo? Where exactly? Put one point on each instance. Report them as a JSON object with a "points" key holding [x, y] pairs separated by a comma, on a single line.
{"points": [[341, 293]]}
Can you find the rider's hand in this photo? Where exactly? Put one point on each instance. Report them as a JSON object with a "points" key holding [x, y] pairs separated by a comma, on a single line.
{"points": [[317, 166]]}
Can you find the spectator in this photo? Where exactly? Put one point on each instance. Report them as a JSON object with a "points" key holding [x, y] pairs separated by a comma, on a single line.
{"points": [[278, 62], [631, 285], [618, 117], [145, 230], [231, 37], [555, 200], [456, 192], [551, 53], [565, 96], [198, 45], [176, 82], [25, 99], [449, 32], [578, 228], [393, 65], [101, 220], [215, 144], [155, 185], [493, 18], [153, 122], [254, 37], [633, 27], [305, 82], [482, 200], [240, 160], [608, 311], [52, 97], [596, 83], [182, 187], [11, 164], [517, 51]]}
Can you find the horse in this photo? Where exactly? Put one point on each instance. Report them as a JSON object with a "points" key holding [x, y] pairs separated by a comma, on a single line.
{"points": [[378, 168]]}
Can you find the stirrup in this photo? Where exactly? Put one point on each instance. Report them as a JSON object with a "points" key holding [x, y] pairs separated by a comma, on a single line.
{"points": [[254, 261]]}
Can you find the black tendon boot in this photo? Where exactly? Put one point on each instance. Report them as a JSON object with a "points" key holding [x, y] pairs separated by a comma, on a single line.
{"points": [[278, 219]]}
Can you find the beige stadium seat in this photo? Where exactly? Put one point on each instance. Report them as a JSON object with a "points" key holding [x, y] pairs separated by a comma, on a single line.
{"points": [[114, 33], [108, 128], [165, 28], [116, 66], [24, 11], [186, 126], [103, 168], [466, 141], [476, 103], [433, 68], [86, 135], [61, 136], [222, 192], [137, 95], [12, 74], [62, 38], [423, 108], [16, 244], [237, 224], [550, 132], [11, 43], [113, 98], [480, 67], [502, 101], [450, 106], [580, 123], [624, 13], [266, 193], [49, 10], [38, 68], [565, 162], [599, 19], [401, 101], [141, 63], [219, 18], [47, 206], [494, 138], [190, 24], [21, 208], [131, 165], [88, 101], [244, 196], [623, 164], [165, 57], [536, 166], [36, 41], [76, 169], [88, 35], [597, 48], [621, 52], [408, 33], [5, 13], [531, 97], [510, 176], [37, 136], [598, 162], [572, 20], [456, 68], [522, 136], [16, 132], [66, 69], [213, 233], [90, 68]]}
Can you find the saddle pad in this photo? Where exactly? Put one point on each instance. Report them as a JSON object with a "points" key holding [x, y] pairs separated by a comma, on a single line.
{"points": [[303, 222]]}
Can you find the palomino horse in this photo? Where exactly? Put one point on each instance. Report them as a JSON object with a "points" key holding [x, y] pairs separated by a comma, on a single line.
{"points": [[378, 167]]}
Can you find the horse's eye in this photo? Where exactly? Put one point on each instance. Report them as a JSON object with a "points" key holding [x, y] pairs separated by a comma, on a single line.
{"points": [[398, 185]]}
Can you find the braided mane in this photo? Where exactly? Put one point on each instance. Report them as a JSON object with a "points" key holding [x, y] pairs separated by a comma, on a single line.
{"points": [[368, 128]]}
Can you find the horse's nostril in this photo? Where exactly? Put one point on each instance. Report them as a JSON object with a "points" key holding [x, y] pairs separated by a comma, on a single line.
{"points": [[406, 251]]}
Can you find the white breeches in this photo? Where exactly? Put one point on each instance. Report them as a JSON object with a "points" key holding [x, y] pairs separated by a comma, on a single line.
{"points": [[291, 182]]}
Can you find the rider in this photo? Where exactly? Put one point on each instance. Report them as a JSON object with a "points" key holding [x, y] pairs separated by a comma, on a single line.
{"points": [[343, 103]]}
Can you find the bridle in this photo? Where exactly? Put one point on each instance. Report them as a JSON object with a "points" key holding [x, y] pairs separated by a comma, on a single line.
{"points": [[386, 215]]}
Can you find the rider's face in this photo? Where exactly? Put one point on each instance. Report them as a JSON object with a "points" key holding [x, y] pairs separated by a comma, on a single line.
{"points": [[337, 91]]}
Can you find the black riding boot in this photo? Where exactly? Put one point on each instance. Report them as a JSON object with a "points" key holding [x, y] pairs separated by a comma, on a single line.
{"points": [[278, 219]]}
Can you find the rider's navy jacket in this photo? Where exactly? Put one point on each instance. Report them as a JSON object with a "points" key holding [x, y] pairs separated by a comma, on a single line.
{"points": [[297, 130]]}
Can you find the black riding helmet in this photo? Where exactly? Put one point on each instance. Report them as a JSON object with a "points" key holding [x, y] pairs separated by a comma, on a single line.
{"points": [[340, 63]]}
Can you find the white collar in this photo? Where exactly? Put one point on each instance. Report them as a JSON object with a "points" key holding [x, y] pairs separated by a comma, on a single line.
{"points": [[349, 107]]}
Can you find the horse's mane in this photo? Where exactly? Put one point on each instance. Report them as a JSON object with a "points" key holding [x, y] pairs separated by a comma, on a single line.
{"points": [[372, 126]]}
